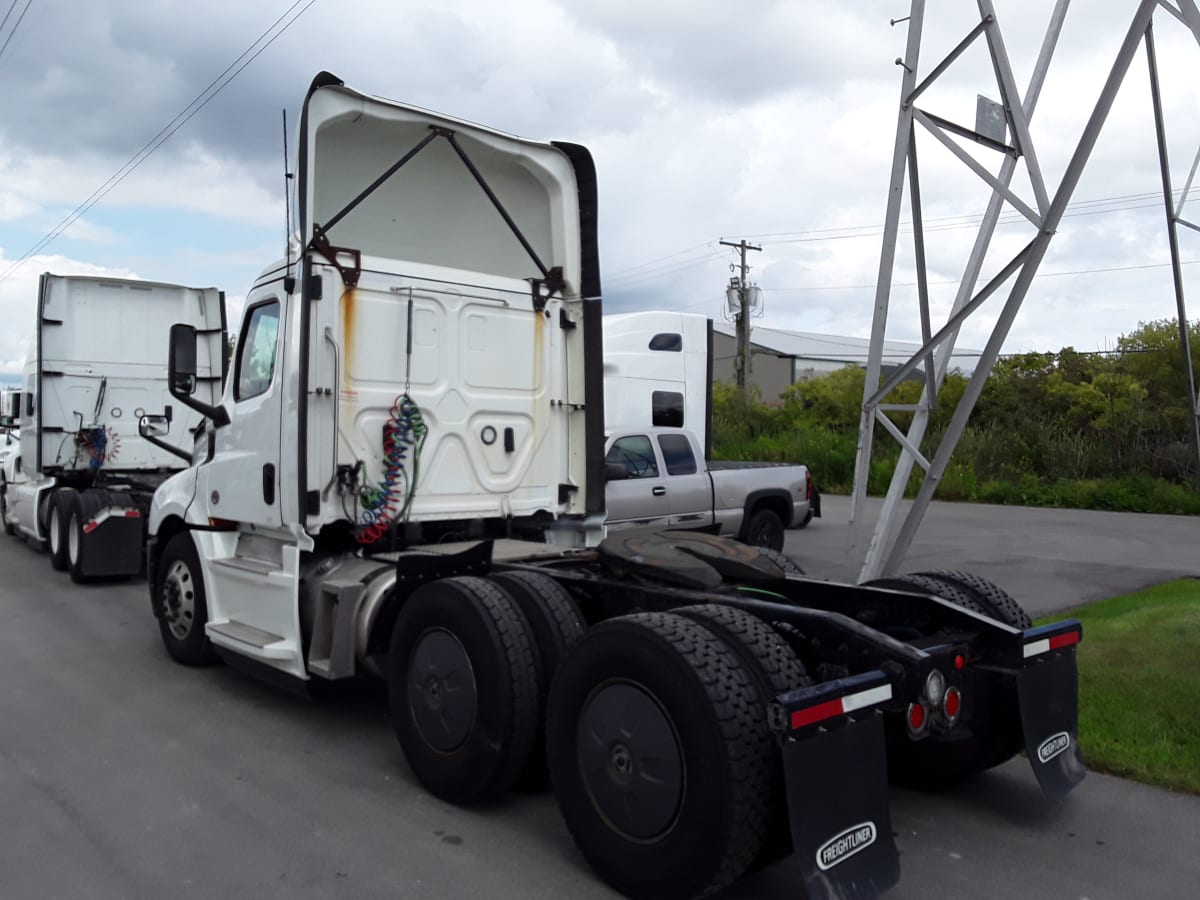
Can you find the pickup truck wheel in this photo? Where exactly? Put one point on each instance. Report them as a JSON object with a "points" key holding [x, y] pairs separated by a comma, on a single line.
{"points": [[764, 529], [775, 669], [181, 605], [463, 688], [991, 729], [656, 756], [789, 565], [56, 527], [555, 624]]}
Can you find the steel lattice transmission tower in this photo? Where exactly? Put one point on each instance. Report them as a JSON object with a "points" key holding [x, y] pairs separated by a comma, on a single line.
{"points": [[894, 532]]}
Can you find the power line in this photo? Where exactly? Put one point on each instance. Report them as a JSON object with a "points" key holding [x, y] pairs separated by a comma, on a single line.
{"points": [[202, 99], [16, 24]]}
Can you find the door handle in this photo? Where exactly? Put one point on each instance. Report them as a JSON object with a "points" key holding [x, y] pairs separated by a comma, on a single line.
{"points": [[659, 491]]}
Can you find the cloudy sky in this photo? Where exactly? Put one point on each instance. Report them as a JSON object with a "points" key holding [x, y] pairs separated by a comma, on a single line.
{"points": [[771, 121]]}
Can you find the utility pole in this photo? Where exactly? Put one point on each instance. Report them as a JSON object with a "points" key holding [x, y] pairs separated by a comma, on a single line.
{"points": [[742, 319]]}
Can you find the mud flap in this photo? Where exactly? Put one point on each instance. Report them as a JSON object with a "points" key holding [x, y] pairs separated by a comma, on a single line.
{"points": [[838, 810], [1049, 696]]}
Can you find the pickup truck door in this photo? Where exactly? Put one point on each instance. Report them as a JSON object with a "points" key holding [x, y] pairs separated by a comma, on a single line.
{"points": [[689, 487], [639, 499]]}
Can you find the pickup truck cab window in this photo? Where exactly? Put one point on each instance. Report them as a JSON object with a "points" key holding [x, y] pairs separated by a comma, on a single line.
{"points": [[256, 350], [677, 454], [636, 454]]}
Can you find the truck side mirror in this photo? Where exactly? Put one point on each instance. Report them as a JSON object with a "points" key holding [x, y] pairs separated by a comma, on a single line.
{"points": [[615, 472], [181, 374], [181, 360]]}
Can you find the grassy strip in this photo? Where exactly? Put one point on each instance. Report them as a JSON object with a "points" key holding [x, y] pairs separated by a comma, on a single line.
{"points": [[1139, 685]]}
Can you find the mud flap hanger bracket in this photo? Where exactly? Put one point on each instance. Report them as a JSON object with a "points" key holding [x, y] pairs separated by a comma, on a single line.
{"points": [[541, 288]]}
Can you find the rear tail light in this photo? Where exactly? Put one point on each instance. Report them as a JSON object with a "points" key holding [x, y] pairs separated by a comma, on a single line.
{"points": [[935, 688], [952, 704], [918, 719], [808, 485]]}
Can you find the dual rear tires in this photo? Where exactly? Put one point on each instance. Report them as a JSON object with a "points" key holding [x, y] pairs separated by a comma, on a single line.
{"points": [[655, 724]]}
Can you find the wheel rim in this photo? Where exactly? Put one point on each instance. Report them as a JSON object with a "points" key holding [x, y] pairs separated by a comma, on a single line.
{"points": [[442, 694], [179, 599], [73, 538], [630, 760], [55, 537], [765, 534]]}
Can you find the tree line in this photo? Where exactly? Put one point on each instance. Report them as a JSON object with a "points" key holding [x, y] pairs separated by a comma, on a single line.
{"points": [[1089, 430]]}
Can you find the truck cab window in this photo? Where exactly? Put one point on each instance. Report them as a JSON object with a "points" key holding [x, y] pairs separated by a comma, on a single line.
{"points": [[667, 409], [256, 350], [668, 341], [677, 454], [636, 454]]}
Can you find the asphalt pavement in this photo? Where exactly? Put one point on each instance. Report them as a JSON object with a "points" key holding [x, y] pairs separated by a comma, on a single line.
{"points": [[123, 775]]}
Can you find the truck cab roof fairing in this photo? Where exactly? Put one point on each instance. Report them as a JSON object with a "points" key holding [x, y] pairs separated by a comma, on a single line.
{"points": [[433, 209]]}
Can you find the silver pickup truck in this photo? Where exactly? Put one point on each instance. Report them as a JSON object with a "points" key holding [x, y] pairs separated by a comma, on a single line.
{"points": [[657, 478]]}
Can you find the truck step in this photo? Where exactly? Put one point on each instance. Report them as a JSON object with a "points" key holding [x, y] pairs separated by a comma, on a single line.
{"points": [[243, 634], [257, 566]]}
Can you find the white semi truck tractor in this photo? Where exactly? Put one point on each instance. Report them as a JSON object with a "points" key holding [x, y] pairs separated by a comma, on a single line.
{"points": [[405, 476]]}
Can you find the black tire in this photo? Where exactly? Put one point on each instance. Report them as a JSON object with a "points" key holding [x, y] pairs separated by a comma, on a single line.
{"points": [[10, 527], [181, 605], [789, 565], [999, 603], [463, 688], [56, 527], [555, 624], [75, 537], [775, 669], [764, 529], [656, 757], [991, 731]]}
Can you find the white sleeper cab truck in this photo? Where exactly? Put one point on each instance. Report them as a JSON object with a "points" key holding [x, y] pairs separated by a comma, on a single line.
{"points": [[81, 479], [405, 476]]}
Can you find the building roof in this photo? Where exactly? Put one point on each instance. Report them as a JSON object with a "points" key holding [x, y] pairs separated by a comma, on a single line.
{"points": [[839, 349]]}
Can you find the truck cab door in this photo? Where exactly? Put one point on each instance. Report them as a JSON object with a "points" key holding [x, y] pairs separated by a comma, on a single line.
{"points": [[640, 498], [242, 481]]}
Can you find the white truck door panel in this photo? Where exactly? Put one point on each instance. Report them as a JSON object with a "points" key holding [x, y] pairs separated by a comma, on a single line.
{"points": [[242, 482]]}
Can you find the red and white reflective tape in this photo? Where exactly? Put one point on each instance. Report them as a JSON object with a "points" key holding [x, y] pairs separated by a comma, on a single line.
{"points": [[1045, 645], [109, 512], [840, 706]]}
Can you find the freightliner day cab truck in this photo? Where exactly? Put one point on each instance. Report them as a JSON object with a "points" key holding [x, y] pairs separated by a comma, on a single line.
{"points": [[405, 476], [81, 480]]}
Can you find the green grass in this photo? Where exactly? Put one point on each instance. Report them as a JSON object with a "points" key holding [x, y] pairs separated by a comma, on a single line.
{"points": [[1139, 685]]}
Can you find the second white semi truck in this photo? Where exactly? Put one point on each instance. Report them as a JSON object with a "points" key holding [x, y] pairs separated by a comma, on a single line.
{"points": [[80, 480]]}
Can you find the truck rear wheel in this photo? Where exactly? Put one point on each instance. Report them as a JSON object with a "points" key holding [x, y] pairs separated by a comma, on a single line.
{"points": [[555, 624], [10, 527], [999, 603], [463, 688], [656, 756], [775, 669], [74, 542], [994, 722], [764, 529], [56, 527], [180, 603]]}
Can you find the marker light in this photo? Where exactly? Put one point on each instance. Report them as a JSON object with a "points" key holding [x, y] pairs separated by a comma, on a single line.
{"points": [[916, 718]]}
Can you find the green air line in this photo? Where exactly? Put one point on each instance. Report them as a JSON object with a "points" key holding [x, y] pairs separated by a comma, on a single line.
{"points": [[754, 590]]}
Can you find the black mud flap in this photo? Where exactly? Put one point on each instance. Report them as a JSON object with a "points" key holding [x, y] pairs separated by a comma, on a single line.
{"points": [[112, 548], [1049, 695], [838, 809]]}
